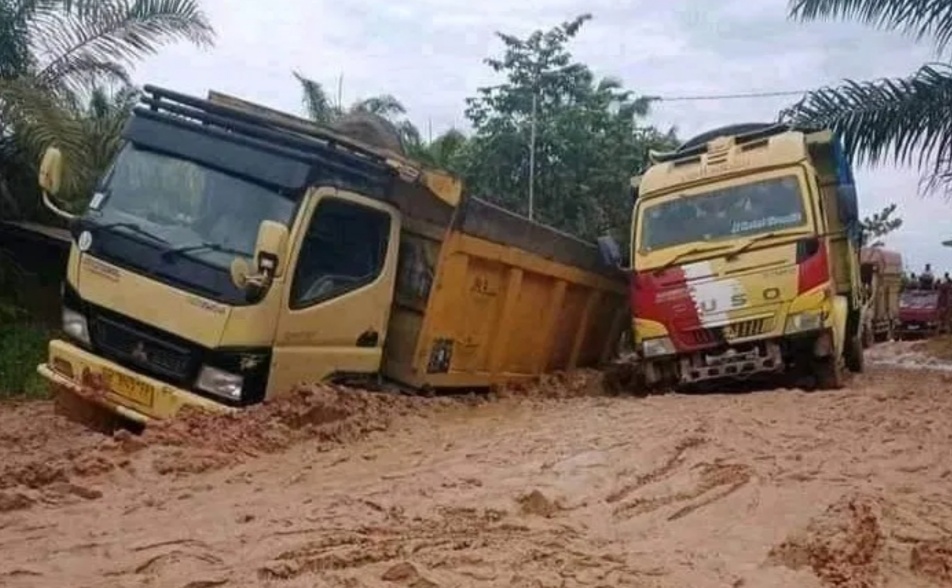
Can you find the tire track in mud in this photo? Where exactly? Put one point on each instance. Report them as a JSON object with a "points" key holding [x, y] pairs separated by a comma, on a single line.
{"points": [[457, 543], [728, 477]]}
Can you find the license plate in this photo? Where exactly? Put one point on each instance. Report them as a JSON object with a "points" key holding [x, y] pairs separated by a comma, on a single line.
{"points": [[129, 387]]}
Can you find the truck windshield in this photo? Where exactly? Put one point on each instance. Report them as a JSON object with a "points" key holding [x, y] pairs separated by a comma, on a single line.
{"points": [[208, 214], [919, 299], [738, 211]]}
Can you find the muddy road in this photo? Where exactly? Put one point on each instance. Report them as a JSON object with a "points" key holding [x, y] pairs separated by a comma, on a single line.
{"points": [[559, 485]]}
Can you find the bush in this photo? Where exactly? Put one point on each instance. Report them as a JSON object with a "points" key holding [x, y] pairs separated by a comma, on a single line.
{"points": [[22, 347]]}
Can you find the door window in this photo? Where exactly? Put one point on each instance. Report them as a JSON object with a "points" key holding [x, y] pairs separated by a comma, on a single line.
{"points": [[344, 249]]}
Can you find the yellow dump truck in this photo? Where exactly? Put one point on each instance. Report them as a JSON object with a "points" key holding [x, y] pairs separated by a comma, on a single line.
{"points": [[230, 253], [881, 273], [745, 259]]}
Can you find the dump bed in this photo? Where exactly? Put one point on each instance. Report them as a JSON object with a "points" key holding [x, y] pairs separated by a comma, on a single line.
{"points": [[886, 266], [496, 298]]}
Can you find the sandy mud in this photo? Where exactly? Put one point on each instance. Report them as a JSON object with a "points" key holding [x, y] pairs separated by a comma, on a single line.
{"points": [[556, 484]]}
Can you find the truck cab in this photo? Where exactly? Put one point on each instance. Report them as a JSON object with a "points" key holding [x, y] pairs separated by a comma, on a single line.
{"points": [[744, 259]]}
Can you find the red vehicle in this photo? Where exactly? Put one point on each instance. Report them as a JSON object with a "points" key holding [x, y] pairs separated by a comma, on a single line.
{"points": [[923, 312]]}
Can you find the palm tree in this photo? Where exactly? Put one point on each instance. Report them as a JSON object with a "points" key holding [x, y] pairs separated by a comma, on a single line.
{"points": [[442, 152], [392, 112], [53, 56], [905, 120]]}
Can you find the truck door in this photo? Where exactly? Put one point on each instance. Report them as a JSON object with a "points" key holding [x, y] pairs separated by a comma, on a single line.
{"points": [[339, 288]]}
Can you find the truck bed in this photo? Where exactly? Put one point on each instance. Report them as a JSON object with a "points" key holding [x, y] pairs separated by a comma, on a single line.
{"points": [[497, 298]]}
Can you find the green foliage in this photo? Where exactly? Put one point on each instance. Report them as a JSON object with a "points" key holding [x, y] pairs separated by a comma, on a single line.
{"points": [[22, 348], [880, 224], [321, 110], [588, 138], [901, 120], [55, 56]]}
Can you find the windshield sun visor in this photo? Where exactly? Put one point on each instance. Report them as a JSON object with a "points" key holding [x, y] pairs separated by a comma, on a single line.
{"points": [[234, 156]]}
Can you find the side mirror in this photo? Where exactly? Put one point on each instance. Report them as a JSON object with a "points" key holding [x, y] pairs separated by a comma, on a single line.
{"points": [[271, 248], [51, 171], [610, 251], [270, 259], [51, 180]]}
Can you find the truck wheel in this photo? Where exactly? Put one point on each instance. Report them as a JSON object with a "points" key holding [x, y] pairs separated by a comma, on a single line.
{"points": [[855, 359], [830, 373]]}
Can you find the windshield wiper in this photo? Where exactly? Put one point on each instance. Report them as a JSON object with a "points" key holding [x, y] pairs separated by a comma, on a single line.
{"points": [[758, 238], [692, 251], [135, 228], [200, 246]]}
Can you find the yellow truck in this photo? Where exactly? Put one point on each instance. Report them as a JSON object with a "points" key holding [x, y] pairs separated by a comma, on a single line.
{"points": [[745, 259], [881, 272], [231, 252]]}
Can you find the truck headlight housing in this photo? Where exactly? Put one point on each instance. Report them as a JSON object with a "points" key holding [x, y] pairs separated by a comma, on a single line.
{"points": [[220, 383], [75, 325], [657, 346], [804, 321]]}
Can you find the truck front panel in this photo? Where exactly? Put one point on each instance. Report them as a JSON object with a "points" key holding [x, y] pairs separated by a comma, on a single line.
{"points": [[706, 304]]}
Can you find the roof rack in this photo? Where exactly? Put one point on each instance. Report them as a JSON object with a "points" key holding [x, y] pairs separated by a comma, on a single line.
{"points": [[742, 133], [300, 139]]}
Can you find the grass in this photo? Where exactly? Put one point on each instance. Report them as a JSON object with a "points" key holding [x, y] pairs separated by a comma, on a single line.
{"points": [[22, 347]]}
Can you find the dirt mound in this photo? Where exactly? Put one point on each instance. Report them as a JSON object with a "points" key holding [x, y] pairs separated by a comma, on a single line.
{"points": [[322, 413], [862, 541], [841, 546], [558, 385], [933, 559], [45, 454], [536, 503]]}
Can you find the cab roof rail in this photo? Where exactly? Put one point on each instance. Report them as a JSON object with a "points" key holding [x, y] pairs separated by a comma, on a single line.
{"points": [[742, 133], [304, 137]]}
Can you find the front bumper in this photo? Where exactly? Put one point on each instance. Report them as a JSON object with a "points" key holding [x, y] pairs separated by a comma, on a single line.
{"points": [[123, 391]]}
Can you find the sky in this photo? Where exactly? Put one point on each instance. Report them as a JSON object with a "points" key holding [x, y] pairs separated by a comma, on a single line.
{"points": [[429, 54]]}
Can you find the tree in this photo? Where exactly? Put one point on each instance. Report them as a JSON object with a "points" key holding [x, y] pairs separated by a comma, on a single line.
{"points": [[53, 56], [443, 152], [320, 109], [900, 120], [880, 224], [588, 140]]}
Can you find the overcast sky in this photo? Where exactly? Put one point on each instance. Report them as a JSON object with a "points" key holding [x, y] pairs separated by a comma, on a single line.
{"points": [[428, 53]]}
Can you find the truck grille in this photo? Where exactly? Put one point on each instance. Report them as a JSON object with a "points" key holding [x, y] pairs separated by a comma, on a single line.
{"points": [[742, 330], [131, 346]]}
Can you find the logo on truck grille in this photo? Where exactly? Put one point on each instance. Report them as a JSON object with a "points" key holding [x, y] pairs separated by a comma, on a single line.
{"points": [[138, 353]]}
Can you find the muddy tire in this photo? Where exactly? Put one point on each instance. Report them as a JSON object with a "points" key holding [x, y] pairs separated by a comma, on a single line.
{"points": [[831, 373], [855, 360], [84, 412], [869, 337]]}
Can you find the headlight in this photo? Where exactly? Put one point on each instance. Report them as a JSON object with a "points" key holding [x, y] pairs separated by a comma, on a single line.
{"points": [[220, 383], [74, 325], [804, 321], [657, 346]]}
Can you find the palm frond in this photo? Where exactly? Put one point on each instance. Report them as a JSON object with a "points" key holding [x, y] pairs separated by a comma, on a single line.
{"points": [[316, 102], [905, 121], [920, 18], [384, 105], [92, 34]]}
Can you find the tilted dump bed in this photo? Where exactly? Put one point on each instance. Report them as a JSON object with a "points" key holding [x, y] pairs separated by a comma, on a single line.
{"points": [[483, 295]]}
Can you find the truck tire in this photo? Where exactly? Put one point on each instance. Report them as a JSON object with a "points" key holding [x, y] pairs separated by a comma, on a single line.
{"points": [[831, 373], [855, 359]]}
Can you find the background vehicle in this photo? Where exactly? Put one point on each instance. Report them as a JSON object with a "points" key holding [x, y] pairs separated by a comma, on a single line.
{"points": [[882, 276], [923, 312], [745, 249], [232, 252]]}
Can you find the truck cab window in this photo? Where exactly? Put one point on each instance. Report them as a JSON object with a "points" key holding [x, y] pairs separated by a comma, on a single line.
{"points": [[344, 248]]}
